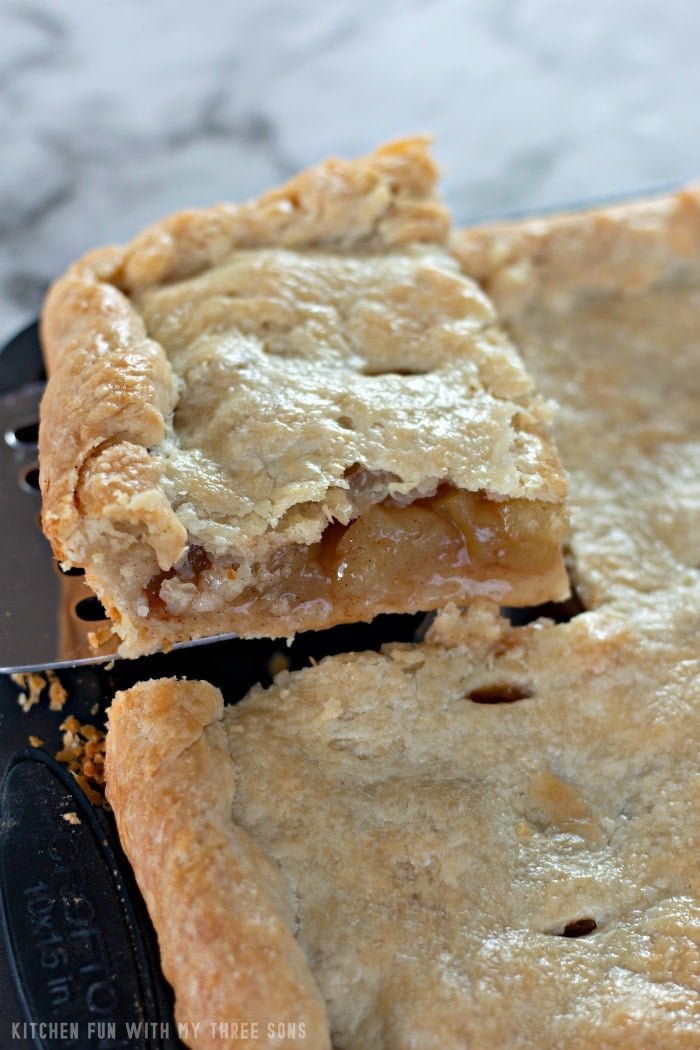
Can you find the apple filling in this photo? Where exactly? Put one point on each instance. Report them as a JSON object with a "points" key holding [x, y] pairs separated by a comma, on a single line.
{"points": [[452, 546]]}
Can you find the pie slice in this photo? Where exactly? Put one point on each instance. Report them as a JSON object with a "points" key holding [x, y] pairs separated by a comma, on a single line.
{"points": [[294, 413], [489, 839]]}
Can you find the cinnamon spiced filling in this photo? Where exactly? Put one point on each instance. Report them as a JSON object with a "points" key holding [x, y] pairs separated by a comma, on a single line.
{"points": [[449, 546]]}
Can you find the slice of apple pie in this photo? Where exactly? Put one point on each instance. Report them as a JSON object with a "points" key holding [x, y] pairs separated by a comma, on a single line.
{"points": [[294, 413]]}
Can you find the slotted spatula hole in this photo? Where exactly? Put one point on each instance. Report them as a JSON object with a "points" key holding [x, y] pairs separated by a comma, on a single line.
{"points": [[25, 436], [90, 609], [29, 478]]}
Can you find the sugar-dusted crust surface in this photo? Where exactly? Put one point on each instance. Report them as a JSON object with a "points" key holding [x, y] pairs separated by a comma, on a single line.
{"points": [[458, 871], [605, 308], [236, 379]]}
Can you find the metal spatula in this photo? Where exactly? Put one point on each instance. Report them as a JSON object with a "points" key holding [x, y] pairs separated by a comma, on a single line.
{"points": [[34, 590]]}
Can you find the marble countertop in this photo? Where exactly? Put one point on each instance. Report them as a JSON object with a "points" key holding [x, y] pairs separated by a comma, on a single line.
{"points": [[114, 114]]}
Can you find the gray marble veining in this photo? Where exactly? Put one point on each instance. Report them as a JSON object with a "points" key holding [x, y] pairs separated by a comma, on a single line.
{"points": [[113, 114]]}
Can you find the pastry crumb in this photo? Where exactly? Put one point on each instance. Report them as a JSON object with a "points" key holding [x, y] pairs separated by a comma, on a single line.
{"points": [[278, 662], [36, 741], [332, 709], [100, 637], [58, 693], [33, 684], [83, 754], [72, 818]]}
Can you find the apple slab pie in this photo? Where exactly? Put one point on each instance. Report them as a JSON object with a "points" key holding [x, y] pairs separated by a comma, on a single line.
{"points": [[293, 413], [489, 838]]}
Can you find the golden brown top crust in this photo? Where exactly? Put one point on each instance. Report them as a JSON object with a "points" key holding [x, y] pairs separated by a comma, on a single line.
{"points": [[238, 377], [380, 202], [382, 371], [220, 907], [111, 384], [458, 871], [605, 307], [625, 249]]}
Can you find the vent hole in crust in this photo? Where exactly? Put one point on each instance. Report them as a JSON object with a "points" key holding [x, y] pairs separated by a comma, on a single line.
{"points": [[29, 479], [499, 693], [374, 372], [90, 609], [579, 927], [27, 435]]}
